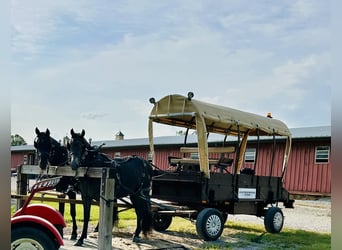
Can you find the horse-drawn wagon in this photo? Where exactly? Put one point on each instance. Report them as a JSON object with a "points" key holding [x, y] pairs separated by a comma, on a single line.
{"points": [[207, 183]]}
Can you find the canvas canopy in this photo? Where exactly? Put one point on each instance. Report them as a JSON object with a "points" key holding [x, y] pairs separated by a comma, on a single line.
{"points": [[178, 110]]}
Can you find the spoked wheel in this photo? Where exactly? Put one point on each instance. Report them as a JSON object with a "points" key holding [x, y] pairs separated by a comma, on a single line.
{"points": [[161, 221], [274, 220], [31, 238], [209, 224]]}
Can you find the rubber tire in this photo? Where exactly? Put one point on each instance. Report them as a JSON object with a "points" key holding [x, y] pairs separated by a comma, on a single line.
{"points": [[34, 236], [210, 224], [274, 220], [161, 222]]}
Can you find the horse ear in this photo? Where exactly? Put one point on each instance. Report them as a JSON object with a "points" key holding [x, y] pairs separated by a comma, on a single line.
{"points": [[83, 132], [37, 131], [47, 132], [72, 132]]}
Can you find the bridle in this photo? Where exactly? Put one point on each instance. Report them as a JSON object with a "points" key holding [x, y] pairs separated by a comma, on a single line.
{"points": [[38, 142], [49, 151]]}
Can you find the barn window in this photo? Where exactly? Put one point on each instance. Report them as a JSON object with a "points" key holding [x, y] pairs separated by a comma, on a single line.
{"points": [[194, 156], [322, 154], [117, 155], [250, 154], [31, 158]]}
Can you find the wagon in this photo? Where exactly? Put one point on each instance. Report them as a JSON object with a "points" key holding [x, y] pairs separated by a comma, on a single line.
{"points": [[208, 182]]}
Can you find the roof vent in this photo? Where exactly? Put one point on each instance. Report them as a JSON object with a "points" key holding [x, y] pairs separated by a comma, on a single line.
{"points": [[119, 136]]}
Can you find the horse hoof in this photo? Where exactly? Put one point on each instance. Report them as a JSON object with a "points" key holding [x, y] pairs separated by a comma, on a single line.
{"points": [[136, 239], [78, 243]]}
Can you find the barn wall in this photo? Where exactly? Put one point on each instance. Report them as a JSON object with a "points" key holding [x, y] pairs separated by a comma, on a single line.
{"points": [[303, 174], [17, 158]]}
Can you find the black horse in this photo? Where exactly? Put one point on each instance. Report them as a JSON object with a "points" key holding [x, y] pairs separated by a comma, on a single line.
{"points": [[51, 152], [133, 178]]}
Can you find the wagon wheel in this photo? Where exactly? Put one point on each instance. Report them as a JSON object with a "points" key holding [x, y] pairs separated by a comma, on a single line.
{"points": [[274, 220], [209, 224], [31, 238], [161, 221]]}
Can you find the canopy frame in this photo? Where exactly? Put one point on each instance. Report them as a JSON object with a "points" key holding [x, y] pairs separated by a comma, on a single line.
{"points": [[205, 118]]}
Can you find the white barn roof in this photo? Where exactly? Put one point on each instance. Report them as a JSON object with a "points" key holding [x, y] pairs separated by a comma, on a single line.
{"points": [[297, 133]]}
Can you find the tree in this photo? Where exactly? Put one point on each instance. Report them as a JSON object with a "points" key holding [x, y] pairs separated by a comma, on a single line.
{"points": [[17, 140], [180, 132]]}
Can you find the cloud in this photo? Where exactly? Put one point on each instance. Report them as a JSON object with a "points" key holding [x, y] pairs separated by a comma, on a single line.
{"points": [[93, 116]]}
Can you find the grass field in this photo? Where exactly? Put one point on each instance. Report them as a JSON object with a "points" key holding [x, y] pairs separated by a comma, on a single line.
{"points": [[236, 235]]}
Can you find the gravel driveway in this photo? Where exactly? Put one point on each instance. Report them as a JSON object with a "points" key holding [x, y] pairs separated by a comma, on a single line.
{"points": [[310, 215], [307, 215]]}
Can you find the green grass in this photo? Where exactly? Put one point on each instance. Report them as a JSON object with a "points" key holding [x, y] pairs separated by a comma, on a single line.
{"points": [[246, 235], [236, 235]]}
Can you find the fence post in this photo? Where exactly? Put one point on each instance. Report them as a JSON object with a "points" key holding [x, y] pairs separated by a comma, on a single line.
{"points": [[22, 182], [106, 210]]}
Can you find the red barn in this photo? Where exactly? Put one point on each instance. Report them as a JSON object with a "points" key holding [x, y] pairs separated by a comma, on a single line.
{"points": [[308, 171]]}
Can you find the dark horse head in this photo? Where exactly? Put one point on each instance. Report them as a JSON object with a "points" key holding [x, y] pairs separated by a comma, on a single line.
{"points": [[133, 177], [78, 148], [84, 154], [49, 150]]}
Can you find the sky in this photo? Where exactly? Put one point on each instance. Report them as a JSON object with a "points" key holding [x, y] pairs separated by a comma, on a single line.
{"points": [[94, 65]]}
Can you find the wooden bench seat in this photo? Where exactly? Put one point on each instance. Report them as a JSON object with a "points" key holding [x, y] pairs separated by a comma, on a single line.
{"points": [[190, 161], [210, 149]]}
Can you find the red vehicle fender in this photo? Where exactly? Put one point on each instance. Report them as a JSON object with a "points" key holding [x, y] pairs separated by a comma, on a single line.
{"points": [[35, 220], [44, 211]]}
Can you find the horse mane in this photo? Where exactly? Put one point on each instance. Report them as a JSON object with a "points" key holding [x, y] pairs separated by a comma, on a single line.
{"points": [[54, 142]]}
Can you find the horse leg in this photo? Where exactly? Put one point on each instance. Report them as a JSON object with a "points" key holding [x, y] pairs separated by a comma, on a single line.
{"points": [[115, 218], [96, 229], [115, 214], [144, 216], [136, 237], [72, 196], [61, 207], [139, 214], [86, 217], [147, 220]]}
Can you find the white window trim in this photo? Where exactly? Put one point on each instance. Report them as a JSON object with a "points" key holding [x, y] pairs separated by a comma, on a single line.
{"points": [[322, 153], [250, 153]]}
